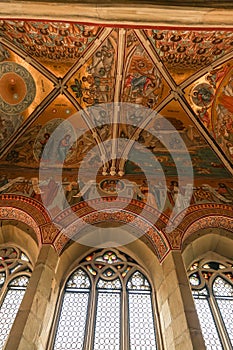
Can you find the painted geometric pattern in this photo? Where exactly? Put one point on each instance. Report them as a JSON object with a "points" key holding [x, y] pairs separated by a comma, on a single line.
{"points": [[193, 49], [49, 40]]}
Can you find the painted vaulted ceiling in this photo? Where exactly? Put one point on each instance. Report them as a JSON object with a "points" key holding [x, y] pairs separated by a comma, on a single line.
{"points": [[139, 99]]}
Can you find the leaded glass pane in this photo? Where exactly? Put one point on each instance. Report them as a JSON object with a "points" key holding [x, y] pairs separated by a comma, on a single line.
{"points": [[199, 293], [223, 292], [108, 258], [138, 282], [15, 268], [91, 270], [127, 269], [2, 279], [214, 266], [108, 273], [72, 323], [21, 281], [107, 325], [206, 320], [141, 325], [115, 284], [194, 266], [24, 257], [78, 279], [8, 311], [222, 288], [194, 279]]}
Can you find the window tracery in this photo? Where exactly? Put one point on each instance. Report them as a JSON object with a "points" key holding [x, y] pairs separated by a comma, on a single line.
{"points": [[15, 271], [106, 304], [212, 288]]}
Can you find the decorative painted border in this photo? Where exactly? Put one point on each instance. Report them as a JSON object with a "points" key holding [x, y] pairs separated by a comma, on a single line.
{"points": [[158, 240], [34, 208], [204, 216], [107, 209], [11, 213], [217, 221]]}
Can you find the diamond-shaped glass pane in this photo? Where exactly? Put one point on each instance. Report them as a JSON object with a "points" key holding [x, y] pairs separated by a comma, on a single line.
{"points": [[141, 324], [72, 323], [8, 311], [115, 284], [107, 326], [207, 323], [21, 281], [78, 280], [223, 292], [138, 282]]}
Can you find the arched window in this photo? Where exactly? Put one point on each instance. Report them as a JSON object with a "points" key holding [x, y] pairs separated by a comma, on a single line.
{"points": [[106, 304], [212, 288], [15, 270]]}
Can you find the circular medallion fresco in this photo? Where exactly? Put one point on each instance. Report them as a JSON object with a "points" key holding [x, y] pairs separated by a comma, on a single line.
{"points": [[17, 88], [202, 95], [112, 186]]}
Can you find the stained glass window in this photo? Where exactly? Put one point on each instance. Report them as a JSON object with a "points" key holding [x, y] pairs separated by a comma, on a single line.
{"points": [[107, 288], [212, 288], [15, 270]]}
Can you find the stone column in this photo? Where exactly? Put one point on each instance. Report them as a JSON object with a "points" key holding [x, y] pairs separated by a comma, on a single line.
{"points": [[178, 317], [31, 327]]}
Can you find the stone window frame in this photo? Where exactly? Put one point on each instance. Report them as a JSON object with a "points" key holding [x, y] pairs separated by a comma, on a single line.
{"points": [[204, 272], [15, 273], [124, 333]]}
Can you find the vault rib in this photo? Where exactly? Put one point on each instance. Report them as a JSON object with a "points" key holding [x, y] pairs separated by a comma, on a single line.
{"points": [[155, 58], [117, 97], [91, 127], [87, 54], [204, 133], [34, 115], [178, 93], [206, 70]]}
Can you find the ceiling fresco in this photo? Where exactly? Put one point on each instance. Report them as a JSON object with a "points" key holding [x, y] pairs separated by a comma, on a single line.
{"points": [[189, 50], [50, 71], [51, 43]]}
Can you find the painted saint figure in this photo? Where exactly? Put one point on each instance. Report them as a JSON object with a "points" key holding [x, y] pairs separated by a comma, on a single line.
{"points": [[63, 147], [44, 153]]}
